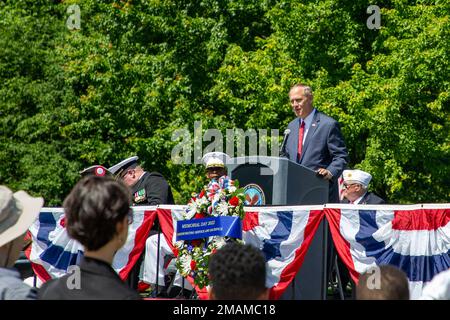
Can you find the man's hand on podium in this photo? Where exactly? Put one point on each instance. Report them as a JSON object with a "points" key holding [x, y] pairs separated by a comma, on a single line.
{"points": [[324, 173]]}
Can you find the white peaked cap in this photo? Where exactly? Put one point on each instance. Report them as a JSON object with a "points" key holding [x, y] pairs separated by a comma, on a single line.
{"points": [[215, 159], [357, 176], [122, 165]]}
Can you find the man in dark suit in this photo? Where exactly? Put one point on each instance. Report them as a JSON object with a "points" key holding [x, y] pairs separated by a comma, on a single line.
{"points": [[356, 183], [315, 140], [148, 189]]}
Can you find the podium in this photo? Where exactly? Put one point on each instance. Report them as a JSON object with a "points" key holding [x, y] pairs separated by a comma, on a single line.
{"points": [[279, 181]]}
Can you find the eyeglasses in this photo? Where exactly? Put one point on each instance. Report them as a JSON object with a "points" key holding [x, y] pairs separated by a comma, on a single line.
{"points": [[130, 216], [346, 186]]}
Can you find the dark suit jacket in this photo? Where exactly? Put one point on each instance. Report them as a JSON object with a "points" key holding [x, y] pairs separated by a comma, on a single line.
{"points": [[324, 147], [369, 198], [98, 281]]}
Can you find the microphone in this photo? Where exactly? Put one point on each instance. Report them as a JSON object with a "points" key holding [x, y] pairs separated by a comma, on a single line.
{"points": [[283, 145]]}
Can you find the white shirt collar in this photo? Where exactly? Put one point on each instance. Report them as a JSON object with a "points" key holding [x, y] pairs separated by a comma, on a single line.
{"points": [[359, 199], [309, 119], [142, 175]]}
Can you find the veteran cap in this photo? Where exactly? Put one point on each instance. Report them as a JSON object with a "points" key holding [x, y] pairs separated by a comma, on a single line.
{"points": [[95, 170], [357, 176]]}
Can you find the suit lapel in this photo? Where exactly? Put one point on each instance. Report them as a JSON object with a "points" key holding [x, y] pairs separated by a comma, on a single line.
{"points": [[364, 199], [294, 145], [311, 131]]}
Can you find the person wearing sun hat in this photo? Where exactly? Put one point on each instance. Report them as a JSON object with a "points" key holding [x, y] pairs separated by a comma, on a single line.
{"points": [[17, 212], [356, 183]]}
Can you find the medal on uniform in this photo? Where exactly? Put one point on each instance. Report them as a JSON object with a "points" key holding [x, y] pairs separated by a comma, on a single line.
{"points": [[139, 196]]}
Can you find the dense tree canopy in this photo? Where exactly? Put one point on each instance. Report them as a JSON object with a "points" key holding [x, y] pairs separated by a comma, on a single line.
{"points": [[138, 70]]}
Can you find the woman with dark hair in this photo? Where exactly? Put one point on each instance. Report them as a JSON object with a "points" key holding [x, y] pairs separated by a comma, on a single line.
{"points": [[97, 215]]}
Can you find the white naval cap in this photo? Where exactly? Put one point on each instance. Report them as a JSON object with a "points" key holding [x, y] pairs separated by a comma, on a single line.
{"points": [[357, 176], [215, 159], [118, 168]]}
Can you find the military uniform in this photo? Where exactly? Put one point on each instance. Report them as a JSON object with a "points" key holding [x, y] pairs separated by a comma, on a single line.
{"points": [[151, 189]]}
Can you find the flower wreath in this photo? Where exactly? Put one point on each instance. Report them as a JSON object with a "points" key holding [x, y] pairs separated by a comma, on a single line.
{"points": [[221, 197]]}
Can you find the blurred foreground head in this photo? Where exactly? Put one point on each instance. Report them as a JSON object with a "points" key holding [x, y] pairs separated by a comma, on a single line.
{"points": [[383, 283], [94, 209], [17, 212], [238, 272]]}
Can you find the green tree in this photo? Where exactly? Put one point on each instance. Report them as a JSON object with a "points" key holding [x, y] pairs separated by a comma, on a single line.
{"points": [[139, 70]]}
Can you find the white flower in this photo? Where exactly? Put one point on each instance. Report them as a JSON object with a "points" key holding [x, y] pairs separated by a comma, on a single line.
{"points": [[222, 208], [191, 211], [232, 189], [204, 201], [218, 242], [186, 263], [179, 244]]}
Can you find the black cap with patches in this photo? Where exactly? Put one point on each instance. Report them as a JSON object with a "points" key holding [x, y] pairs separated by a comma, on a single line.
{"points": [[124, 165]]}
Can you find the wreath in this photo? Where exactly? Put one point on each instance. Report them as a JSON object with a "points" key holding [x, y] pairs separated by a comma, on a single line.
{"points": [[221, 197]]}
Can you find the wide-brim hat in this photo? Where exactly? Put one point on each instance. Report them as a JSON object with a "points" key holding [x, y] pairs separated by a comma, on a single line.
{"points": [[18, 211]]}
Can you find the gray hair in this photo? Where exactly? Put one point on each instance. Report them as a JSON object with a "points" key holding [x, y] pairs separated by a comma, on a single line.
{"points": [[306, 89]]}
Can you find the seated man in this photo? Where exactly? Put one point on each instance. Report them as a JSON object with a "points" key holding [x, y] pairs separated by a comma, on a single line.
{"points": [[238, 272], [383, 283], [356, 183], [215, 168]]}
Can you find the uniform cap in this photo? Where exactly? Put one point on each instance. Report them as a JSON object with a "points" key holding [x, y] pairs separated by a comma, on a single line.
{"points": [[96, 170], [215, 159], [357, 176], [123, 165]]}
